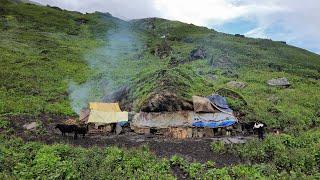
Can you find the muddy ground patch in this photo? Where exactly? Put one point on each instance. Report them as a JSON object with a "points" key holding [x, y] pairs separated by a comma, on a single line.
{"points": [[193, 150]]}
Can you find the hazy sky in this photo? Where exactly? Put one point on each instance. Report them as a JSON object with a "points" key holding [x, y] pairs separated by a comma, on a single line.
{"points": [[294, 21]]}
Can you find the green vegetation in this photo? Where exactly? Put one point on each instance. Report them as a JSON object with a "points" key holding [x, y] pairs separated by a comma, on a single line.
{"points": [[43, 49], [34, 160], [288, 153], [218, 147]]}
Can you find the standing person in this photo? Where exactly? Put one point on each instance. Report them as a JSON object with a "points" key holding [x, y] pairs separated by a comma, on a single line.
{"points": [[260, 128]]}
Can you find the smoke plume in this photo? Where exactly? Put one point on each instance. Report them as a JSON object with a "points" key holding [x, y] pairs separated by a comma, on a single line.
{"points": [[109, 66]]}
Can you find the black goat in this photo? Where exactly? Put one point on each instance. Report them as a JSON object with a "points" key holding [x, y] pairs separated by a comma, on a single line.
{"points": [[81, 130], [66, 128], [247, 128]]}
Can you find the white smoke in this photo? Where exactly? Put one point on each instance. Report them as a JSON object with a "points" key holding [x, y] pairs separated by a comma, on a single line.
{"points": [[106, 62]]}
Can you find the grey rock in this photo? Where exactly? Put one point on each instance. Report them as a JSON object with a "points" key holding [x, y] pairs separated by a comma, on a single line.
{"points": [[236, 84], [236, 140], [198, 53], [31, 126], [279, 82]]}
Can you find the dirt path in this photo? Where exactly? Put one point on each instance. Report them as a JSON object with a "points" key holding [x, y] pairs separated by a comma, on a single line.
{"points": [[193, 150]]}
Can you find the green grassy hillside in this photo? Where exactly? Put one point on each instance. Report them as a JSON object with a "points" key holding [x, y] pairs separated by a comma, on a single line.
{"points": [[51, 60], [41, 50], [252, 61]]}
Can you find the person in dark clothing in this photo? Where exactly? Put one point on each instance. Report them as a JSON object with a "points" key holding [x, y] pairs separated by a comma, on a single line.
{"points": [[259, 127]]}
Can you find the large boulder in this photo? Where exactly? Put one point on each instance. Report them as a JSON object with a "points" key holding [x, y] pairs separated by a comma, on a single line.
{"points": [[198, 53], [279, 82]]}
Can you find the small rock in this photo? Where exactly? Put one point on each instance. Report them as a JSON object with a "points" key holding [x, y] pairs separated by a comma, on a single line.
{"points": [[279, 82], [30, 126], [236, 140], [235, 84], [198, 53]]}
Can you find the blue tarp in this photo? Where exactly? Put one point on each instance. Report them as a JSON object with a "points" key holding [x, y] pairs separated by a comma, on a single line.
{"points": [[215, 124], [123, 123], [219, 101]]}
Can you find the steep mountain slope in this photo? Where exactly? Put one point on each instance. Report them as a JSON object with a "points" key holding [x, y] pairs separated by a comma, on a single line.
{"points": [[45, 49], [253, 61], [41, 50]]}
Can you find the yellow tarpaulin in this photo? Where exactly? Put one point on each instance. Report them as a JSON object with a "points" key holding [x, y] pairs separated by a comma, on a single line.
{"points": [[106, 107], [107, 117]]}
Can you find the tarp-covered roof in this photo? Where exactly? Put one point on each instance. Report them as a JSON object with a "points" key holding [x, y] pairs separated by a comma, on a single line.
{"points": [[103, 117], [183, 119], [220, 103], [201, 104], [106, 107], [105, 113], [213, 120], [163, 119]]}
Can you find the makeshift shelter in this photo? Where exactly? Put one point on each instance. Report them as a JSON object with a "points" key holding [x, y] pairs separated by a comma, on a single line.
{"points": [[105, 116], [163, 119], [105, 107], [211, 112], [220, 103], [106, 113], [214, 120], [201, 104]]}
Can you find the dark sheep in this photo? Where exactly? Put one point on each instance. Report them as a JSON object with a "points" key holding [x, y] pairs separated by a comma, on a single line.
{"points": [[247, 127], [81, 130], [66, 128]]}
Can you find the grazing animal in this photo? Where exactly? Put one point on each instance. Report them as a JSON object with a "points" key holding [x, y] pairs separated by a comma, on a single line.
{"points": [[260, 129], [247, 127], [66, 128], [81, 130]]}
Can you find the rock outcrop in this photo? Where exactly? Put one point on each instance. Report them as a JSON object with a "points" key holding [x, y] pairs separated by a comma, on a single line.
{"points": [[279, 82]]}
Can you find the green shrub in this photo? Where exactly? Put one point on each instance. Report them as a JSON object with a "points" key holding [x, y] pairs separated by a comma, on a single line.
{"points": [[218, 147], [4, 124], [287, 153]]}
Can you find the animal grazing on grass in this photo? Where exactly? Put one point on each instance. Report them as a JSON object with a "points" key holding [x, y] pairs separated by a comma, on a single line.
{"points": [[259, 127], [81, 130], [64, 128], [247, 127]]}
